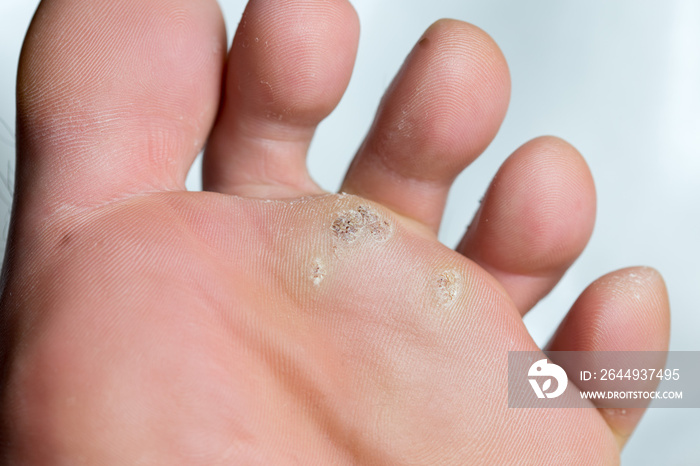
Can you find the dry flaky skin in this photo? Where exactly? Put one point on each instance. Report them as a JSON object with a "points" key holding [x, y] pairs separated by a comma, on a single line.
{"points": [[188, 344]]}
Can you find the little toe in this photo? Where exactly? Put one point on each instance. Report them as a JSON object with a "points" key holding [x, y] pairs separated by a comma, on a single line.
{"points": [[535, 219], [442, 110], [626, 310], [289, 65]]}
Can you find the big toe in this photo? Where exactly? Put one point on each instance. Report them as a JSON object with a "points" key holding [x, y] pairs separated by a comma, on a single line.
{"points": [[114, 98]]}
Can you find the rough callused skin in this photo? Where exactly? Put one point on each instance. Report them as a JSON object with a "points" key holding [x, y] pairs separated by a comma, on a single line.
{"points": [[225, 330]]}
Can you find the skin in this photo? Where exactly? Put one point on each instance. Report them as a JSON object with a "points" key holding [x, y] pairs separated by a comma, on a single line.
{"points": [[265, 321]]}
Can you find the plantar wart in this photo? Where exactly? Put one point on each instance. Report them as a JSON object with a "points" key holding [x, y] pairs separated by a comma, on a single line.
{"points": [[379, 228], [352, 224], [348, 225], [318, 272], [448, 284]]}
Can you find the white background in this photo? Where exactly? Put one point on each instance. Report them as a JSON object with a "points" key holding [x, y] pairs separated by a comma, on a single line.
{"points": [[619, 80]]}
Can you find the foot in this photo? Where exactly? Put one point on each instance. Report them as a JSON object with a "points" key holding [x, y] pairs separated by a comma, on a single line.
{"points": [[266, 321]]}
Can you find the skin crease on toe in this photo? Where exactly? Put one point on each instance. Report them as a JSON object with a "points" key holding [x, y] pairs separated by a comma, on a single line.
{"points": [[94, 123], [289, 65], [148, 325], [610, 315], [535, 219], [441, 111]]}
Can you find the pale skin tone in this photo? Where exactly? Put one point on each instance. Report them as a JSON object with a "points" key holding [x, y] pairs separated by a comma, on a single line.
{"points": [[266, 321]]}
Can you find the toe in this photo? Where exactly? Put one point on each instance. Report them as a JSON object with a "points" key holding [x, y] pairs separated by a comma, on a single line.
{"points": [[627, 310], [442, 110], [535, 219], [115, 98], [288, 68]]}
